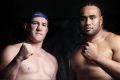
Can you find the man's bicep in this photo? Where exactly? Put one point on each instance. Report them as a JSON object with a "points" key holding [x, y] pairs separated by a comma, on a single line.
{"points": [[4, 60], [116, 51], [115, 45], [6, 57], [116, 55]]}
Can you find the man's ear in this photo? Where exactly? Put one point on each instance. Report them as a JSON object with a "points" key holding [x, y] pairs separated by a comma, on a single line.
{"points": [[25, 26], [101, 20], [47, 29]]}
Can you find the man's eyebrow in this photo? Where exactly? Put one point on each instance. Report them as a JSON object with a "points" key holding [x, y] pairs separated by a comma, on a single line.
{"points": [[92, 15], [81, 16], [34, 21]]}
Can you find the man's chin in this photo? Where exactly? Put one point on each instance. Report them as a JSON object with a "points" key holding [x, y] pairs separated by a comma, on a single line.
{"points": [[89, 34], [37, 40]]}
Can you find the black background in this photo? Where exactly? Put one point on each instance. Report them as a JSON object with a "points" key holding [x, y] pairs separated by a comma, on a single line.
{"points": [[62, 36], [60, 13]]}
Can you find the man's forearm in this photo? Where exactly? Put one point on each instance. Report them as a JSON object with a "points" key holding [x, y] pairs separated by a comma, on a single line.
{"points": [[11, 70], [110, 66]]}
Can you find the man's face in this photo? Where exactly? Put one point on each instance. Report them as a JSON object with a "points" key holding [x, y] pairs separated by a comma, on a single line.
{"points": [[91, 20], [39, 29]]}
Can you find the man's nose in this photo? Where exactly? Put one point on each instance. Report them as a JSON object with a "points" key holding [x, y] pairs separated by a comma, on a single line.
{"points": [[88, 21], [39, 28]]}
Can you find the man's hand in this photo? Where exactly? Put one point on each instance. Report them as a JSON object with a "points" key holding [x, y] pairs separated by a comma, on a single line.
{"points": [[25, 51], [90, 51]]}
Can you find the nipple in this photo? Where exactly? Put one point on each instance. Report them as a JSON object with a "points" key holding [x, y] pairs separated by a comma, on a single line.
{"points": [[28, 68]]}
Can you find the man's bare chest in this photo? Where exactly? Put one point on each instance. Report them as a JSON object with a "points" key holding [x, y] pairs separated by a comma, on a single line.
{"points": [[36, 64]]}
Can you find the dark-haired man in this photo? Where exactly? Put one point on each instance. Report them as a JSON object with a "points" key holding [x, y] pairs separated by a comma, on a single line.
{"points": [[98, 58]]}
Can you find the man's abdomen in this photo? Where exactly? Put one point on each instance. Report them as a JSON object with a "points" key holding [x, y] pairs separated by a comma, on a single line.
{"points": [[92, 73]]}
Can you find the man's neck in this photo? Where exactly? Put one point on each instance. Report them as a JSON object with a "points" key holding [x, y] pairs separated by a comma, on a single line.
{"points": [[98, 37], [36, 45]]}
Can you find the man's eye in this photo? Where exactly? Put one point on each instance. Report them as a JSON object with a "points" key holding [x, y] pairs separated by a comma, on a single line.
{"points": [[35, 23], [92, 17], [82, 18], [44, 24]]}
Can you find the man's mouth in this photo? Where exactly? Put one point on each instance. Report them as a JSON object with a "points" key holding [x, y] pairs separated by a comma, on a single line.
{"points": [[88, 29], [38, 33]]}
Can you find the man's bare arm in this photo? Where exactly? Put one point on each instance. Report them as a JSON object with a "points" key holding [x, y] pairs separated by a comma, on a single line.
{"points": [[112, 67], [11, 62], [10, 71]]}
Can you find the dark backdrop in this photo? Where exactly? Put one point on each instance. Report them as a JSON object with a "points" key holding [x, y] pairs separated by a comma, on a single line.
{"points": [[63, 24]]}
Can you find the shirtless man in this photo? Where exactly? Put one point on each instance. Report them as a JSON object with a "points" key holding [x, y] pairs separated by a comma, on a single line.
{"points": [[98, 58], [28, 60]]}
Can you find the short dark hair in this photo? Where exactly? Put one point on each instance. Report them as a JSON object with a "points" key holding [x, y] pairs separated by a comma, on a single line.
{"points": [[97, 3]]}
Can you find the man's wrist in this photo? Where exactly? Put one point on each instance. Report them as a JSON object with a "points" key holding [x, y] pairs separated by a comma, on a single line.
{"points": [[18, 58]]}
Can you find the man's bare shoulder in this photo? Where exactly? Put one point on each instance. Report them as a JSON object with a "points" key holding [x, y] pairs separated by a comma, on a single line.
{"points": [[9, 53], [112, 38], [114, 41], [12, 48], [53, 58]]}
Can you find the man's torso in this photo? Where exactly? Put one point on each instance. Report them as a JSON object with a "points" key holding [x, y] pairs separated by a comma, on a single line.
{"points": [[88, 70], [40, 66]]}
